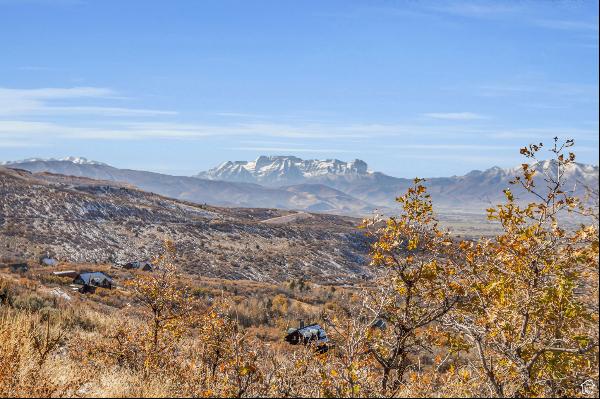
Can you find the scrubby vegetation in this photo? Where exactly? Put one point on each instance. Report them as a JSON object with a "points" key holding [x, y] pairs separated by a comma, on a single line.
{"points": [[509, 316]]}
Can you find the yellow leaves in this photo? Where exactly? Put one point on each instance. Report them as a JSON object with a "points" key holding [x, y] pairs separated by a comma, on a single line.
{"points": [[412, 243], [247, 369], [401, 289], [470, 257], [464, 245], [517, 291], [464, 374]]}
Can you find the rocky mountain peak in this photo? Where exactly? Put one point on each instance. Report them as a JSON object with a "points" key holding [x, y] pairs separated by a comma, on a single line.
{"points": [[283, 169]]}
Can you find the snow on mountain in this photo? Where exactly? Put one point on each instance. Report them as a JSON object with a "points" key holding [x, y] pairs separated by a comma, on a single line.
{"points": [[75, 160], [574, 172], [330, 185], [283, 170], [201, 191], [474, 190]]}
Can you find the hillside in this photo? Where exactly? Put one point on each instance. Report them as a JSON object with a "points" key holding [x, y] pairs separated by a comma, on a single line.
{"points": [[327, 186], [200, 191], [83, 220]]}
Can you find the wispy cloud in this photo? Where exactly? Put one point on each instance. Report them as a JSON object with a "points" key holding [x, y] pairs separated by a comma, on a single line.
{"points": [[515, 12], [12, 143], [586, 135], [476, 9], [101, 111], [54, 92], [35, 130], [455, 116], [564, 91], [461, 157], [34, 68], [291, 150], [30, 102], [567, 25], [451, 147]]}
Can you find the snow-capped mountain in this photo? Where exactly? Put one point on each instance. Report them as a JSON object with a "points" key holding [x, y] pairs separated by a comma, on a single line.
{"points": [[310, 197], [474, 190], [281, 170], [332, 186], [75, 160]]}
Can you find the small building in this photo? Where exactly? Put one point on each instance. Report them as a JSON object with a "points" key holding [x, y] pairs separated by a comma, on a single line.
{"points": [[311, 334], [20, 267], [140, 265], [48, 261], [93, 279], [380, 324]]}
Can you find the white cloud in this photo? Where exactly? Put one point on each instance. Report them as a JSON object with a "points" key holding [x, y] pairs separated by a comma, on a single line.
{"points": [[455, 116], [452, 147], [562, 91], [11, 143], [35, 130], [101, 111], [567, 25], [54, 93], [536, 134], [480, 9], [288, 150], [32, 102]]}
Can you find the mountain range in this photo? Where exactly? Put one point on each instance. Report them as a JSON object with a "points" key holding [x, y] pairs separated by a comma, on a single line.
{"points": [[331, 186]]}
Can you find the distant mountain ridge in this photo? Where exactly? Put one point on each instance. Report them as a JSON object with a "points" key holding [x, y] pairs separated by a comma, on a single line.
{"points": [[330, 185], [474, 189], [75, 160], [215, 192], [270, 170]]}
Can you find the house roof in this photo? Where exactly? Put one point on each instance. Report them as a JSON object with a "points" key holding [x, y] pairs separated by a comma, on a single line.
{"points": [[90, 277], [139, 264], [313, 330], [49, 261]]}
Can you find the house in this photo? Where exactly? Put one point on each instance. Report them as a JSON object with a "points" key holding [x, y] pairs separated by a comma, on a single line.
{"points": [[21, 267], [145, 265], [93, 279], [380, 324], [48, 261], [311, 334]]}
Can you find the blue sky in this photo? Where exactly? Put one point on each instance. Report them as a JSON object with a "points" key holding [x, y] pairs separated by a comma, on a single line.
{"points": [[414, 88]]}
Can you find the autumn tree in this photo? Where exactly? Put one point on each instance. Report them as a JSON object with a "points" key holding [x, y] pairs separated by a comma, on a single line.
{"points": [[169, 304], [528, 316], [420, 284]]}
